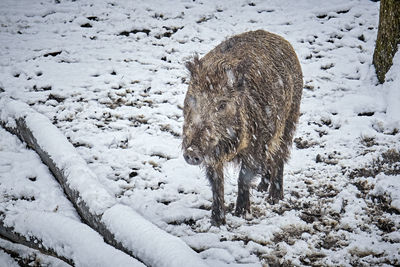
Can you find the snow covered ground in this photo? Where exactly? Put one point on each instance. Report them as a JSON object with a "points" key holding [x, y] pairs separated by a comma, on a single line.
{"points": [[110, 75]]}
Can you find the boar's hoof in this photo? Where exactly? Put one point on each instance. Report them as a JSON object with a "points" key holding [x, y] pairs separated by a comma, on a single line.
{"points": [[272, 200], [274, 196], [217, 220], [242, 211], [242, 205]]}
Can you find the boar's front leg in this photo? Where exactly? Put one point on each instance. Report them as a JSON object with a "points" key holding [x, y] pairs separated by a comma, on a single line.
{"points": [[243, 200], [215, 175]]}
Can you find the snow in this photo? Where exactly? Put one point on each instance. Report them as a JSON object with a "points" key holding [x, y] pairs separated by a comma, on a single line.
{"points": [[388, 186], [392, 86], [118, 99], [6, 260]]}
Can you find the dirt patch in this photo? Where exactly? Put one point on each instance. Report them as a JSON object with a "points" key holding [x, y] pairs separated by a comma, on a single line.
{"points": [[290, 234], [387, 163], [303, 144]]}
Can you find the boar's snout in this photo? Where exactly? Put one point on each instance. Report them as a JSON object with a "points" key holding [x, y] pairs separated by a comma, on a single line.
{"points": [[192, 156]]}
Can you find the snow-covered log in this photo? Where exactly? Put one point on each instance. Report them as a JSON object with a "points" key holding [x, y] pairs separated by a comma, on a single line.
{"points": [[14, 254], [11, 234], [67, 239], [120, 226]]}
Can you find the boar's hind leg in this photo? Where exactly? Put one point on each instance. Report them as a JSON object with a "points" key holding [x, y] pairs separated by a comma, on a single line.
{"points": [[216, 177], [264, 184], [276, 185], [243, 200]]}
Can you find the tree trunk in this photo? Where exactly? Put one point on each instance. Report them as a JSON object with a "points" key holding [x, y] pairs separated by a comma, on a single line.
{"points": [[388, 37]]}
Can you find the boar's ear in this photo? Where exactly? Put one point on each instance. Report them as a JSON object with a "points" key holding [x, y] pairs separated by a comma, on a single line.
{"points": [[240, 80], [241, 70], [193, 65]]}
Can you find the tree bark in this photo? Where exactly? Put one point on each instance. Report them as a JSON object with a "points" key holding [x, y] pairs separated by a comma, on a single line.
{"points": [[388, 37]]}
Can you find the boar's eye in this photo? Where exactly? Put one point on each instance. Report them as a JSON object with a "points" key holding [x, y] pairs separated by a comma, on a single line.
{"points": [[221, 105]]}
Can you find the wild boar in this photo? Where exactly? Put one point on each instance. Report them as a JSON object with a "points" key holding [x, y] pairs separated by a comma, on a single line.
{"points": [[242, 105]]}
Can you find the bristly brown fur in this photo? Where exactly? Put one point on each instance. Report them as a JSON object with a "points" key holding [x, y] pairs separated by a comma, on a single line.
{"points": [[242, 105], [193, 65]]}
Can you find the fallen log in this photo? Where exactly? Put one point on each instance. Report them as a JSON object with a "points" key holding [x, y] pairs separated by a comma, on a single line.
{"points": [[66, 239], [33, 242], [120, 226]]}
